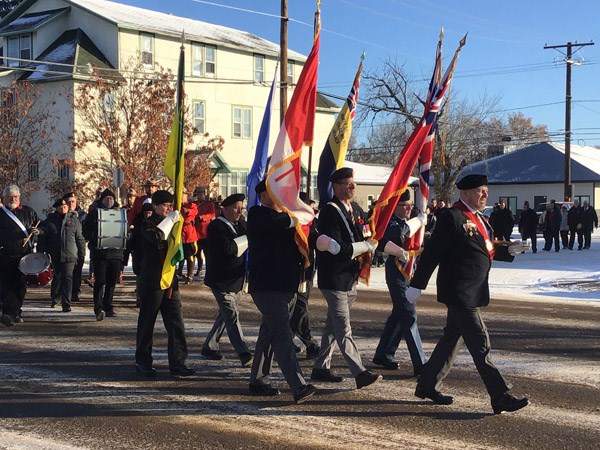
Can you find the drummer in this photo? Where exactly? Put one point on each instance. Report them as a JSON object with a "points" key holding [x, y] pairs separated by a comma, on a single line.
{"points": [[107, 261], [18, 223]]}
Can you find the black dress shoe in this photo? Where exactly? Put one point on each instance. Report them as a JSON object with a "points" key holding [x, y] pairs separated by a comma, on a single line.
{"points": [[312, 351], [215, 355], [366, 378], [246, 359], [264, 390], [435, 396], [182, 371], [67, 309], [110, 313], [297, 348], [53, 303], [386, 363], [326, 375], [147, 371], [302, 394], [508, 403]]}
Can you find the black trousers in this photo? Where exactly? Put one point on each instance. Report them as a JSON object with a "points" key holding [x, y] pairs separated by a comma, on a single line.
{"points": [[300, 321], [106, 274], [551, 236], [62, 282], [579, 233], [77, 277], [12, 288], [153, 302], [463, 325]]}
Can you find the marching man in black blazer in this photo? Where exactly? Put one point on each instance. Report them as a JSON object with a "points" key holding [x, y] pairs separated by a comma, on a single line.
{"points": [[225, 249], [463, 247], [274, 268], [341, 245]]}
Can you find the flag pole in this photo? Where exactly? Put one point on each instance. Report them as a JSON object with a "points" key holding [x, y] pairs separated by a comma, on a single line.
{"points": [[316, 28]]}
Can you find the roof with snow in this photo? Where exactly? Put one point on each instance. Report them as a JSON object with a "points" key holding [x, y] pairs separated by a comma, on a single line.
{"points": [[371, 173], [30, 22], [72, 53], [540, 163], [168, 24]]}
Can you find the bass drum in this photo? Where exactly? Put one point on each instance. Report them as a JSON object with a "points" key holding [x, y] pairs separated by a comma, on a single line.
{"points": [[37, 269], [112, 228]]}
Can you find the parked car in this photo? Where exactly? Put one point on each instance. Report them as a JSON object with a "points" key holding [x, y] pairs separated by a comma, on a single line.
{"points": [[540, 210]]}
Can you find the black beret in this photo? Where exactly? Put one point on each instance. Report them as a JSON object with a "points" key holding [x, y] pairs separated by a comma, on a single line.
{"points": [[147, 206], [232, 199], [260, 187], [472, 181], [59, 202], [68, 195], [405, 196], [106, 193], [162, 196], [341, 174]]}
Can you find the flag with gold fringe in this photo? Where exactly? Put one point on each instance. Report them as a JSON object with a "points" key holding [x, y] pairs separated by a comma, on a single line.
{"points": [[420, 140], [174, 170], [284, 175]]}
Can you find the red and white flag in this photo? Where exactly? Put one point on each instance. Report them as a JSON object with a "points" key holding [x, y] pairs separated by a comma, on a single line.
{"points": [[284, 176]]}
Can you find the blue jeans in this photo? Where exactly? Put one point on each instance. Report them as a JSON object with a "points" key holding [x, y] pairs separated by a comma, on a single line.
{"points": [[402, 322]]}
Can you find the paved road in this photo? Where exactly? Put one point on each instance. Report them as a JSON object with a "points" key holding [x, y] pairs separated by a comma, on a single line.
{"points": [[68, 382]]}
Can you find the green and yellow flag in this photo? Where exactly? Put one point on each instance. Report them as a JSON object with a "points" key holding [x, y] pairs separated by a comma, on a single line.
{"points": [[174, 171]]}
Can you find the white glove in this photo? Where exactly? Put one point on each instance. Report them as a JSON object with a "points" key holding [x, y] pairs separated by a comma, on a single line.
{"points": [[167, 224], [416, 223], [518, 247], [242, 244], [175, 216], [326, 244], [412, 294], [397, 251]]}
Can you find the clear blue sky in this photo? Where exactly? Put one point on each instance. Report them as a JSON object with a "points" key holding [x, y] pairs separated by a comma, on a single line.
{"points": [[504, 54]]}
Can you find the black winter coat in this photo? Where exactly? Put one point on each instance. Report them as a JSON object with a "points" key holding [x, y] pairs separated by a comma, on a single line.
{"points": [[463, 260], [61, 238]]}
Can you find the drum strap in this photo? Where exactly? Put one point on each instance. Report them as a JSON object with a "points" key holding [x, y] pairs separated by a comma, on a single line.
{"points": [[15, 219]]}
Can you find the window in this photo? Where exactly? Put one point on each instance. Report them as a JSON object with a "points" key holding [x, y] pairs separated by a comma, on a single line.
{"points": [[199, 108], [242, 122], [19, 47], [290, 73], [259, 68], [232, 183], [63, 170], [147, 46], [108, 103], [203, 60], [33, 173], [582, 198], [537, 199]]}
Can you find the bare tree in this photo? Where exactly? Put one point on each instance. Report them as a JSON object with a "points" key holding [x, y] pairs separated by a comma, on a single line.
{"points": [[466, 132], [126, 123], [197, 162], [26, 131]]}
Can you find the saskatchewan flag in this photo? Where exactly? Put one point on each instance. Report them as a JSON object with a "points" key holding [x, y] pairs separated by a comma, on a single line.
{"points": [[174, 171]]}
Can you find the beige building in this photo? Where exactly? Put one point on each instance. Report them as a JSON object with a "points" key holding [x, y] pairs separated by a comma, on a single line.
{"points": [[228, 74]]}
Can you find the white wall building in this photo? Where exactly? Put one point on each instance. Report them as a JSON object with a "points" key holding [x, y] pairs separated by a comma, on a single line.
{"points": [[228, 73]]}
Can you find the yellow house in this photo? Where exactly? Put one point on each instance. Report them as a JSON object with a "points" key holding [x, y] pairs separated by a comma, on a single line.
{"points": [[228, 73]]}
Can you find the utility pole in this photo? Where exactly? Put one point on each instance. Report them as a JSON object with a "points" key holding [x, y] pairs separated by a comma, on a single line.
{"points": [[568, 187], [283, 46]]}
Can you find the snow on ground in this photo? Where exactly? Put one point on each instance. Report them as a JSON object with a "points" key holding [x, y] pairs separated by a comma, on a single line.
{"points": [[566, 275]]}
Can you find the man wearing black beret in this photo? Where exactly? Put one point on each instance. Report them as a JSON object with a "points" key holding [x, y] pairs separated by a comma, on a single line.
{"points": [[225, 248], [63, 240], [341, 246], [274, 272], [153, 299], [462, 245]]}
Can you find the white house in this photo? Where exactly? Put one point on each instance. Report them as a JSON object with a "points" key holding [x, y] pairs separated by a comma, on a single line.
{"points": [[228, 73]]}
